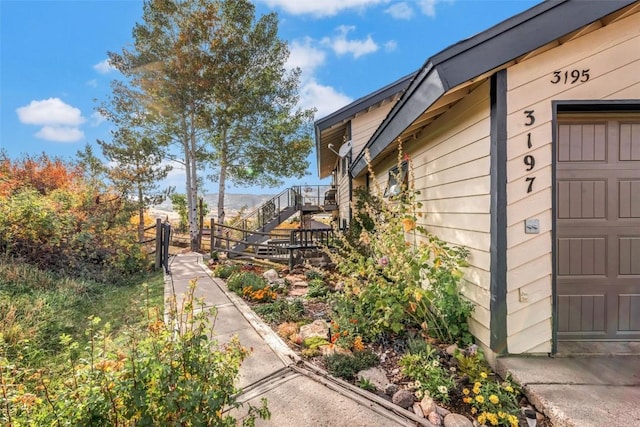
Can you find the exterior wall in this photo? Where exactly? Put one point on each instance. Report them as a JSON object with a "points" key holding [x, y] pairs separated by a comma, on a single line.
{"points": [[611, 58], [362, 128], [451, 167]]}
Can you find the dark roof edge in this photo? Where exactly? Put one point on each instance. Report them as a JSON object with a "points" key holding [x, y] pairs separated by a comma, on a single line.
{"points": [[364, 102], [448, 66]]}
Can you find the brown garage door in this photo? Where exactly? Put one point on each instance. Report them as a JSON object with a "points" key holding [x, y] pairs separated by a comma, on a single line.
{"points": [[598, 228]]}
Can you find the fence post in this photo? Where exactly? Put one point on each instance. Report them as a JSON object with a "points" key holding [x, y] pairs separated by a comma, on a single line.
{"points": [[158, 262], [166, 238], [212, 226]]}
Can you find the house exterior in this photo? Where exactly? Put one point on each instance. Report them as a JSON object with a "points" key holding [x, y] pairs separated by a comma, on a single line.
{"points": [[525, 146]]}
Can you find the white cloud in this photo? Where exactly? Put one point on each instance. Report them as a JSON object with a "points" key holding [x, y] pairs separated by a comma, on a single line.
{"points": [[52, 111], [305, 56], [400, 11], [390, 46], [97, 119], [60, 133], [324, 98], [104, 67], [428, 7], [341, 45], [320, 8], [60, 121]]}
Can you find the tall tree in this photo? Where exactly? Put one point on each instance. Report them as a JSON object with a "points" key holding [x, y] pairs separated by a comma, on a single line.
{"points": [[214, 83], [260, 136], [135, 159]]}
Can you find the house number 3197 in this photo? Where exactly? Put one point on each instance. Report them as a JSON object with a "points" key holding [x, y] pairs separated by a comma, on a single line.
{"points": [[529, 160]]}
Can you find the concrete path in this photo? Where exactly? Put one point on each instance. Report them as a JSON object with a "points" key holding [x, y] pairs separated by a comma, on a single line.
{"points": [[582, 391], [298, 394]]}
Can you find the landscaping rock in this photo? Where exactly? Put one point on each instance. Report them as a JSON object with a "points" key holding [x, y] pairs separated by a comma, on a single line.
{"points": [[403, 398], [435, 418], [319, 328], [451, 350], [427, 405], [330, 349], [418, 410], [391, 389], [271, 275], [457, 420], [375, 376]]}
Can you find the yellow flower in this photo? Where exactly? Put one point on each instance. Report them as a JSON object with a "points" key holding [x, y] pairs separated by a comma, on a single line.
{"points": [[467, 400], [509, 389], [476, 390], [493, 419], [483, 374], [465, 391], [494, 399], [473, 411], [408, 224], [502, 414], [482, 418], [480, 398], [477, 385]]}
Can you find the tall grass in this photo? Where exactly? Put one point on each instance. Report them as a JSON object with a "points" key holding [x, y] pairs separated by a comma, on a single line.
{"points": [[37, 307]]}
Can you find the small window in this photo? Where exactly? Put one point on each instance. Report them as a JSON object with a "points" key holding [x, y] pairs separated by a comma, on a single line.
{"points": [[398, 180]]}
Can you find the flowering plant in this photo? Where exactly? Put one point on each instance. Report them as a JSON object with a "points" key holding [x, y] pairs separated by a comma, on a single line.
{"points": [[493, 403], [427, 374]]}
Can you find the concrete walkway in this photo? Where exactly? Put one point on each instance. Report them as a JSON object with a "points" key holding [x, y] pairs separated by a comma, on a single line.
{"points": [[297, 394], [580, 391]]}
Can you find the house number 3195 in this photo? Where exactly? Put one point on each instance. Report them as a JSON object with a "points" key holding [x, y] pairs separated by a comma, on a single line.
{"points": [[529, 160]]}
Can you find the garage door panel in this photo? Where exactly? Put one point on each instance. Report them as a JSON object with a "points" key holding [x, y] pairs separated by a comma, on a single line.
{"points": [[629, 193], [598, 230], [629, 313], [629, 255], [629, 141], [584, 256], [579, 199], [581, 313], [582, 142]]}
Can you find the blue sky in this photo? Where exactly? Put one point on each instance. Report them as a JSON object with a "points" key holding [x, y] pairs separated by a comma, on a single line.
{"points": [[53, 68]]}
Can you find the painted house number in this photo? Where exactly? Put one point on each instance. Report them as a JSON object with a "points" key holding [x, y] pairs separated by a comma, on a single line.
{"points": [[570, 76], [529, 160]]}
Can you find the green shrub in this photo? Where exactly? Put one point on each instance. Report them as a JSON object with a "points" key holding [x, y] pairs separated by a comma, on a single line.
{"points": [[243, 279], [224, 271], [168, 374], [281, 311], [317, 288], [313, 274], [346, 366]]}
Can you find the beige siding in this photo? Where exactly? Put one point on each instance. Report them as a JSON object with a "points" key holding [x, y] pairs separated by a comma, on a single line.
{"points": [[365, 124], [451, 169], [612, 57]]}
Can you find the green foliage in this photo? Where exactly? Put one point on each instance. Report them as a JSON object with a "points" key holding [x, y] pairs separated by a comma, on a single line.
{"points": [[317, 288], [399, 277], [472, 364], [427, 375], [346, 366], [179, 204], [281, 311], [314, 342], [39, 306], [492, 402], [365, 384], [168, 374], [224, 271], [314, 274], [238, 281]]}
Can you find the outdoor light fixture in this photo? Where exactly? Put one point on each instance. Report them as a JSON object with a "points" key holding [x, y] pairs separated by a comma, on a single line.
{"points": [[530, 415]]}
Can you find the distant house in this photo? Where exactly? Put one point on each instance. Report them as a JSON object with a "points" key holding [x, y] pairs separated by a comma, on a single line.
{"points": [[525, 144]]}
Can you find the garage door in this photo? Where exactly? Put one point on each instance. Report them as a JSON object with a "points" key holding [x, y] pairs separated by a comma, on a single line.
{"points": [[598, 228]]}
